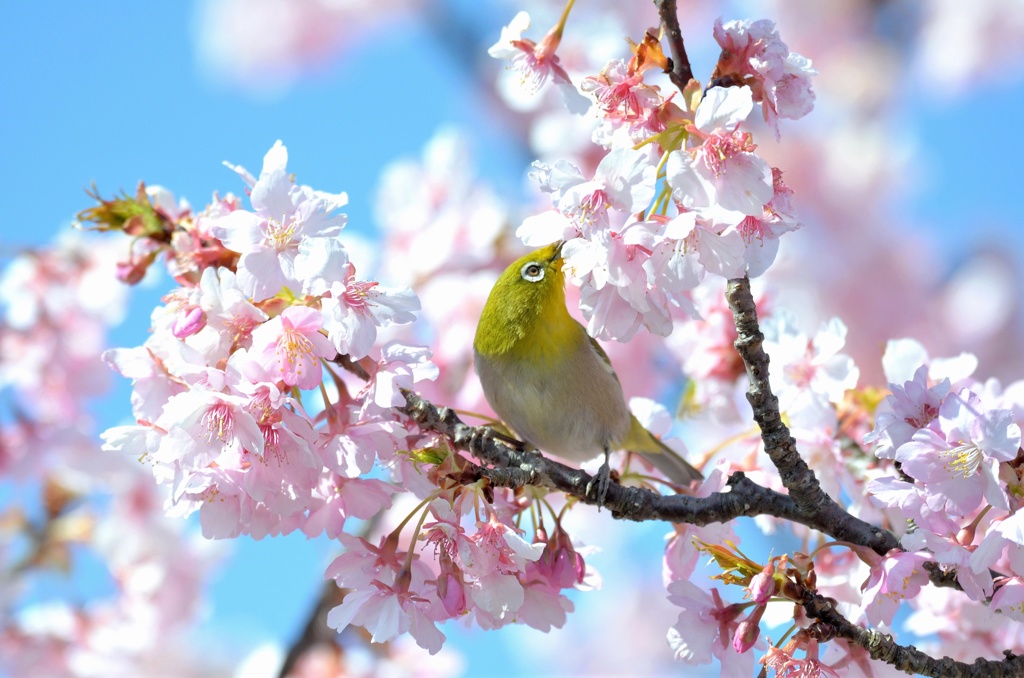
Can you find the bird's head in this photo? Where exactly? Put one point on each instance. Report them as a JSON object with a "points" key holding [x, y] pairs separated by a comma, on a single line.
{"points": [[529, 292]]}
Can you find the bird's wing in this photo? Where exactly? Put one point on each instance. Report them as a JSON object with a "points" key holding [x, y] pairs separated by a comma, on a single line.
{"points": [[604, 356]]}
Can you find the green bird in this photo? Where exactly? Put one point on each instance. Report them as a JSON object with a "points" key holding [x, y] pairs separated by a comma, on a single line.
{"points": [[549, 381]]}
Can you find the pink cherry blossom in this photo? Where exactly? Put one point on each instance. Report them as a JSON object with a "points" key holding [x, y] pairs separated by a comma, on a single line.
{"points": [[450, 542], [1009, 600], [544, 607], [230, 316], [284, 476], [337, 498], [753, 54], [681, 554], [389, 608], [206, 426], [761, 233], [290, 345], [705, 629], [786, 665], [911, 501], [535, 63], [151, 382], [386, 597], [628, 105], [721, 178], [1005, 536], [400, 367], [957, 457], [560, 565], [897, 577], [903, 357], [691, 248], [910, 407], [357, 308], [351, 447], [808, 367], [362, 562], [950, 552], [268, 238], [616, 296], [623, 180]]}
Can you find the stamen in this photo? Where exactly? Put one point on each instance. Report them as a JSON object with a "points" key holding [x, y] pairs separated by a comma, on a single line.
{"points": [[966, 458], [218, 423]]}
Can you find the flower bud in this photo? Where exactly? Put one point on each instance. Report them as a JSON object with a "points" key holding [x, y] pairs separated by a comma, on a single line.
{"points": [[188, 323], [749, 630]]}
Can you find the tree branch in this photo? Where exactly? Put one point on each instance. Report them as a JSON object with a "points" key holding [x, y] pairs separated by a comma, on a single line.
{"points": [[797, 477], [680, 72], [910, 659], [514, 468], [316, 632]]}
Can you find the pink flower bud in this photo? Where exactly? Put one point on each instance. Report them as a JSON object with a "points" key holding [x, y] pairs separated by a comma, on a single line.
{"points": [[748, 630], [762, 584], [452, 593], [189, 323]]}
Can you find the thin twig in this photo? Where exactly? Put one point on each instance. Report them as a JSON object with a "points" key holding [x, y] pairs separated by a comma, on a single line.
{"points": [[680, 72]]}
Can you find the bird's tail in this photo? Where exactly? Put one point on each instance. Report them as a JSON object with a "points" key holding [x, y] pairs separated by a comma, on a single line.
{"points": [[663, 457]]}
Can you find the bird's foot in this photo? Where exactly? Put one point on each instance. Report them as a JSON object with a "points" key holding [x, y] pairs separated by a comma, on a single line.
{"points": [[601, 482], [489, 434], [496, 433]]}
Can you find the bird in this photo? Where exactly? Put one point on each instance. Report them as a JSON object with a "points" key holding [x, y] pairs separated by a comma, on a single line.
{"points": [[550, 382]]}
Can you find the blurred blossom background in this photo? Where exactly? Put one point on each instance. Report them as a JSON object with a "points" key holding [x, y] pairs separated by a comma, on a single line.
{"points": [[906, 178]]}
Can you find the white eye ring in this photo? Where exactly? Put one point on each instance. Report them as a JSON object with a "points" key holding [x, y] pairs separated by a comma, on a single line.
{"points": [[532, 272]]}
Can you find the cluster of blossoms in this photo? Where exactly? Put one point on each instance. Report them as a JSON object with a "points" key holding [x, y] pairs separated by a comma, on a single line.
{"points": [[813, 380], [58, 306], [680, 192], [936, 459], [271, 308], [957, 445]]}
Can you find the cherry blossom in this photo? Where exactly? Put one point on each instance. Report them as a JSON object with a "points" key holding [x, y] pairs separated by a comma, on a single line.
{"points": [[400, 367], [786, 665], [753, 54], [624, 180], [1006, 536], [705, 628], [910, 407], [392, 604], [896, 577], [288, 347], [809, 368], [357, 308], [721, 177], [957, 457], [269, 237], [535, 63], [1009, 600], [631, 110]]}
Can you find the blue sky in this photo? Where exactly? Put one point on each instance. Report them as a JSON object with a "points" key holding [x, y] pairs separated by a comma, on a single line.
{"points": [[111, 93]]}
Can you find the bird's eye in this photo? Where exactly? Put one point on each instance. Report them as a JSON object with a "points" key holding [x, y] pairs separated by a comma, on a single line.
{"points": [[532, 272]]}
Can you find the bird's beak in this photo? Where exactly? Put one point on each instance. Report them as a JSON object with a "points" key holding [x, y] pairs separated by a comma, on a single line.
{"points": [[558, 250]]}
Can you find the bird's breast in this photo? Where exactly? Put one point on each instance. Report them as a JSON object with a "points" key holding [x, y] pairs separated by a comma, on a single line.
{"points": [[569, 403]]}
